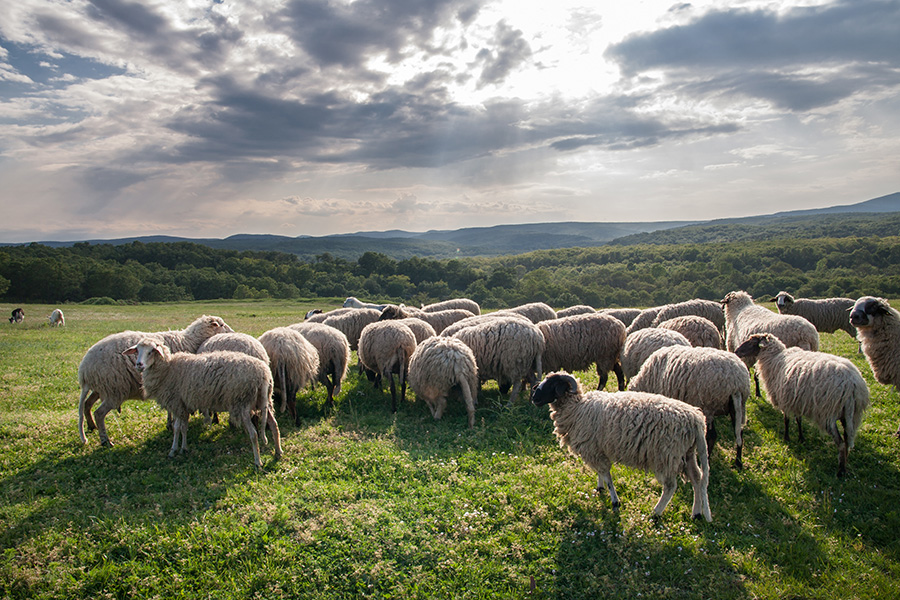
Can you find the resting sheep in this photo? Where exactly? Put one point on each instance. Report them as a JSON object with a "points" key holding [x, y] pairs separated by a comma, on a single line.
{"points": [[463, 303], [644, 342], [821, 386], [637, 429], [334, 355], [183, 383], [576, 342], [715, 381], [699, 331], [57, 318], [439, 365], [294, 363], [828, 315], [352, 302], [385, 348], [106, 374], [878, 331]]}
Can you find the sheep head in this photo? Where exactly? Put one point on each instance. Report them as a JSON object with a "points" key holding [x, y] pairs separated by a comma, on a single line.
{"points": [[554, 387], [757, 343], [146, 352], [866, 310]]}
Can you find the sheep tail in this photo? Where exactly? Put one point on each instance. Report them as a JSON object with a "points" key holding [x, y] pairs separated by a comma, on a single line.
{"points": [[84, 394]]}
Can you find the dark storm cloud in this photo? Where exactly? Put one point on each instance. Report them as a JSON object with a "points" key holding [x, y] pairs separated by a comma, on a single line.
{"points": [[774, 56]]}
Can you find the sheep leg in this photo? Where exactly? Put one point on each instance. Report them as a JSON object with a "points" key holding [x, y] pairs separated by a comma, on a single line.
{"points": [[736, 409], [841, 443], [669, 487], [787, 427], [800, 430], [88, 404], [695, 476], [711, 436], [254, 438], [393, 393], [179, 428], [602, 378], [514, 393], [100, 417], [620, 376], [604, 480], [468, 397], [756, 380], [276, 433]]}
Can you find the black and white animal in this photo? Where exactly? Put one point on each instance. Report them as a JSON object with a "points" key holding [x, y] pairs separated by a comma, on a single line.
{"points": [[17, 316]]}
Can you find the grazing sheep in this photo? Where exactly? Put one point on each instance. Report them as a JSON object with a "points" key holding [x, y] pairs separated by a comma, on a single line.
{"points": [[821, 386], [578, 309], [450, 330], [828, 315], [463, 303], [715, 381], [294, 363], [878, 331], [57, 318], [699, 331], [438, 320], [702, 308], [352, 302], [106, 374], [317, 316], [644, 342], [534, 311], [507, 349], [183, 383], [420, 328], [334, 355], [17, 316], [643, 319], [385, 348], [235, 342], [352, 323], [575, 343], [637, 429], [626, 315], [438, 365]]}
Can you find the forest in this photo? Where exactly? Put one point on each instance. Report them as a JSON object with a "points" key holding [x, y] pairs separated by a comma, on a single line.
{"points": [[604, 276]]}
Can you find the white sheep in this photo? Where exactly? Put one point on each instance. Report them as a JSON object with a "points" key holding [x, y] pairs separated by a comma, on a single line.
{"points": [[626, 315], [715, 381], [438, 320], [317, 316], [352, 323], [463, 303], [699, 331], [106, 374], [534, 311], [578, 309], [507, 349], [450, 330], [828, 314], [644, 342], [233, 342], [820, 386], [385, 348], [334, 355], [707, 309], [577, 342], [183, 383], [420, 328], [294, 363], [643, 319], [878, 331], [57, 318], [353, 302], [439, 365], [641, 430]]}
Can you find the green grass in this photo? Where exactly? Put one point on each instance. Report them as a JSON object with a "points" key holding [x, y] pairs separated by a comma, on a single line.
{"points": [[369, 504]]}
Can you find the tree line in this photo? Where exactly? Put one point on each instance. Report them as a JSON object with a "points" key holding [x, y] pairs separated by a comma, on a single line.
{"points": [[605, 276]]}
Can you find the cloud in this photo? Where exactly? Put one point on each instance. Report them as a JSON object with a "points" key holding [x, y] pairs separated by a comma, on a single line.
{"points": [[508, 50]]}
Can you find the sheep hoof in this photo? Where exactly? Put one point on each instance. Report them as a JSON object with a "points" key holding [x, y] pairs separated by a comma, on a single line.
{"points": [[698, 516], [106, 443], [615, 505], [737, 465]]}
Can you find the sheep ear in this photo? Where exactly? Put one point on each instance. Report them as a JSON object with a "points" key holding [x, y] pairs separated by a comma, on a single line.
{"points": [[130, 351]]}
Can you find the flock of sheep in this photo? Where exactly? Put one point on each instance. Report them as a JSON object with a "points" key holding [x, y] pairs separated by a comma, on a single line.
{"points": [[684, 365]]}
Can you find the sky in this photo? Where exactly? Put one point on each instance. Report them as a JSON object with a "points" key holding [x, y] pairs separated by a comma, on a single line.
{"points": [[209, 118]]}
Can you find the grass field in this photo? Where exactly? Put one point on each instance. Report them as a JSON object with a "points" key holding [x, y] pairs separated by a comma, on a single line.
{"points": [[369, 504]]}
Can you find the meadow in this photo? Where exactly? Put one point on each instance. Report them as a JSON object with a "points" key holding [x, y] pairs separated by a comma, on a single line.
{"points": [[369, 504]]}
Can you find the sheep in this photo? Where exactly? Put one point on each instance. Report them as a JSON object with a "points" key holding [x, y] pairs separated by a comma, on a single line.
{"points": [[803, 383], [463, 303], [334, 355], [878, 331], [450, 330], [352, 323], [744, 318], [715, 381], [17, 316], [535, 311], [420, 328], [507, 349], [385, 348], [638, 429], [352, 302], [575, 342], [828, 315], [644, 342], [106, 374], [643, 319], [57, 318], [626, 315], [437, 366], [294, 363], [578, 309], [699, 331], [235, 342], [702, 308], [317, 316], [439, 320], [183, 383]]}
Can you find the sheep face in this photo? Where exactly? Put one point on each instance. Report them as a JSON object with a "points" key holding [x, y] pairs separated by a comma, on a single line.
{"points": [[552, 388], [783, 301], [866, 310], [755, 344], [315, 311], [145, 353], [736, 299], [392, 311]]}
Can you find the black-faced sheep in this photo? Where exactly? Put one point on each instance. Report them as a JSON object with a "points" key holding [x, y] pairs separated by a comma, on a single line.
{"points": [[644, 342], [645, 431], [439, 365], [878, 331], [579, 341], [334, 355], [106, 374], [821, 386], [828, 315], [183, 383], [463, 303], [294, 363], [57, 318], [17, 316], [699, 331], [385, 348]]}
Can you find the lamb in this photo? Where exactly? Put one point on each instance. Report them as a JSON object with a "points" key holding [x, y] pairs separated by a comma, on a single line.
{"points": [[352, 323], [821, 386], [183, 383], [576, 342], [626, 315], [828, 315], [507, 349], [352, 302], [878, 331], [294, 363], [715, 381], [699, 331], [334, 355], [57, 318], [437, 366], [642, 343], [535, 311], [17, 316], [106, 374], [646, 431], [385, 348], [463, 303], [698, 307], [578, 309]]}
